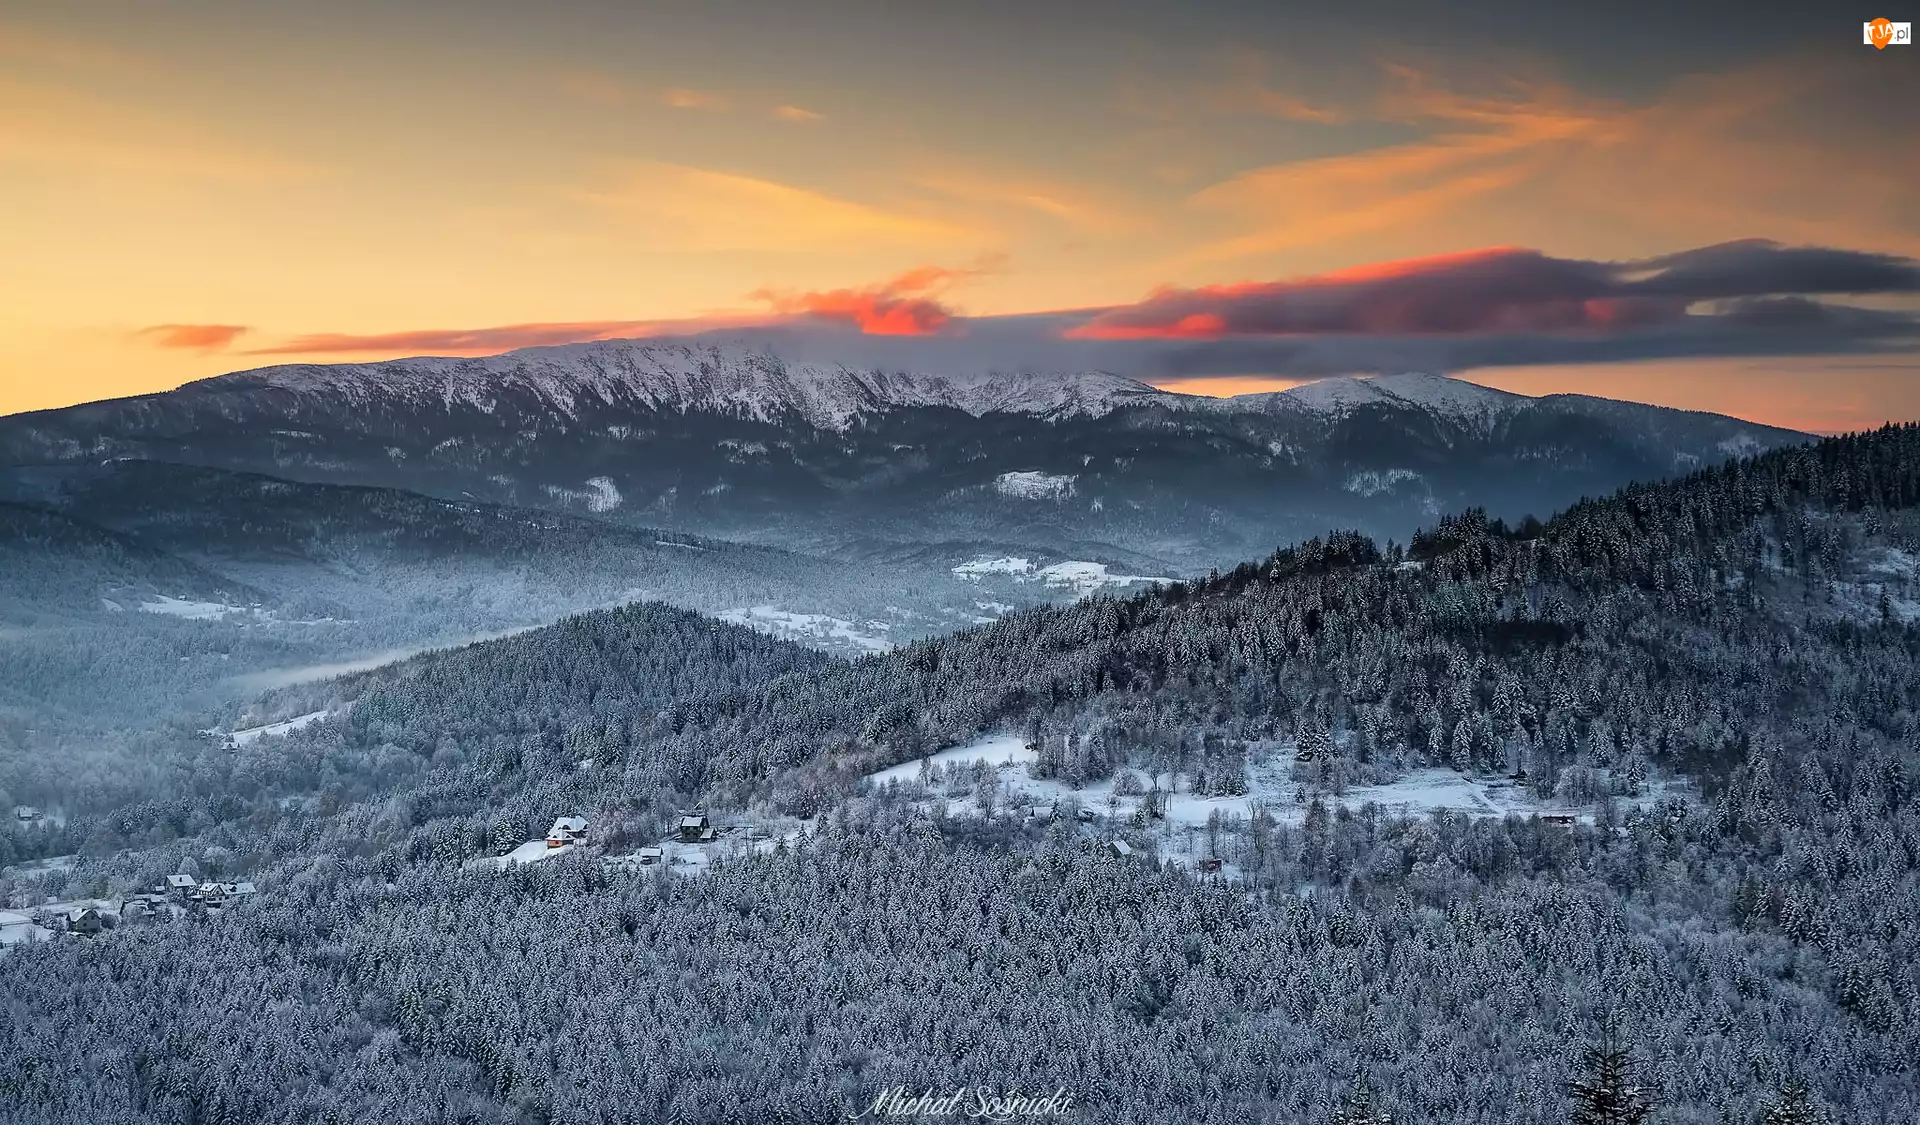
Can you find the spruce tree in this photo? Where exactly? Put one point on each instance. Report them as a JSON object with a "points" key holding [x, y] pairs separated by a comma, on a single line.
{"points": [[1608, 1095], [1793, 1107], [1357, 1108]]}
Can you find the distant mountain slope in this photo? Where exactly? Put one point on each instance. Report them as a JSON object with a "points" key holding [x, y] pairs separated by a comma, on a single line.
{"points": [[137, 588], [739, 444]]}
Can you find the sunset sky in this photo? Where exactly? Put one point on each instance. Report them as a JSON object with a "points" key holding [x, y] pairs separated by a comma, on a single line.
{"points": [[1214, 196]]}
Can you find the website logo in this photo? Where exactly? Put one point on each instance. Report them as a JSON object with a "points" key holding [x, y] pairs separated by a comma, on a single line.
{"points": [[1879, 34]]}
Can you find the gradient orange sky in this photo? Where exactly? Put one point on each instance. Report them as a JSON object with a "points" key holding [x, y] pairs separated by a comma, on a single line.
{"points": [[183, 184]]}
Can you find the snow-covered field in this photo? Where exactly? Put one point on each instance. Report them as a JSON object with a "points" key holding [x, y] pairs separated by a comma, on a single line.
{"points": [[814, 627], [1271, 788], [191, 610], [1082, 577], [250, 734], [994, 749], [16, 928], [1035, 485], [533, 851]]}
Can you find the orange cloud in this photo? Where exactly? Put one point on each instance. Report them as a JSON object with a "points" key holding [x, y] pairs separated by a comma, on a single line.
{"points": [[198, 337], [1713, 157], [1483, 144], [906, 305], [680, 97], [1250, 91], [796, 114], [496, 339], [603, 89], [698, 209], [1068, 205]]}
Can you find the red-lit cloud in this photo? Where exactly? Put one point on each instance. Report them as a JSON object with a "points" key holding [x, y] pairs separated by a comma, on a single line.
{"points": [[1500, 290], [906, 305], [197, 337]]}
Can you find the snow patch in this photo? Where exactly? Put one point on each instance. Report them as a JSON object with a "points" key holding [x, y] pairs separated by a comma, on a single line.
{"points": [[983, 565], [1083, 577], [602, 495], [1033, 485], [1088, 577], [809, 628], [190, 610], [1371, 483], [997, 750], [249, 735]]}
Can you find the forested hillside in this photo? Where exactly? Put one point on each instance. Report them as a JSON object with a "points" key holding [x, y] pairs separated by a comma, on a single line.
{"points": [[1721, 671]]}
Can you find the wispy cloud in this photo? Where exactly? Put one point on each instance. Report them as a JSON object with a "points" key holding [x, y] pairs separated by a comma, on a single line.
{"points": [[1250, 89], [494, 339], [797, 114], [607, 90], [682, 97], [1481, 144], [688, 208], [1714, 155], [1066, 204], [194, 337]]}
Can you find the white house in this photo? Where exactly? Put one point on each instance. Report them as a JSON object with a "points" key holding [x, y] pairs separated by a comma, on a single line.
{"points": [[567, 830], [1120, 848]]}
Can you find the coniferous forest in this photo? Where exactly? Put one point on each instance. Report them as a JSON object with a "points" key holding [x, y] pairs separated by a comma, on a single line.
{"points": [[1715, 680]]}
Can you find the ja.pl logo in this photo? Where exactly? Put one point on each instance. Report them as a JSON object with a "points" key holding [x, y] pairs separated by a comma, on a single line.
{"points": [[1881, 34]]}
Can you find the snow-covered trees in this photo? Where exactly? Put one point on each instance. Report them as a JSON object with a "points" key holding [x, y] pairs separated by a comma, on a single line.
{"points": [[1763, 921], [1607, 1092]]}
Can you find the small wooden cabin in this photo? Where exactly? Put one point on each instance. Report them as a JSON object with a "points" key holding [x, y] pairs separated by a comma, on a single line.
{"points": [[1210, 866], [84, 920], [1120, 848], [695, 828]]}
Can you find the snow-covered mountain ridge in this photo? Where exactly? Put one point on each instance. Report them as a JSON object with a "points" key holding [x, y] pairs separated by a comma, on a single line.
{"points": [[738, 442], [755, 384], [739, 382]]}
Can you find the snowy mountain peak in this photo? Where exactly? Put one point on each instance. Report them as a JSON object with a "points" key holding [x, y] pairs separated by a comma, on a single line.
{"points": [[684, 377], [1440, 394]]}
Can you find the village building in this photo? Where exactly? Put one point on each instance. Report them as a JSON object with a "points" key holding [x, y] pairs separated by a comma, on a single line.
{"points": [[144, 908], [567, 830], [695, 828], [1120, 848], [1210, 866], [84, 920], [650, 856], [179, 884], [26, 814]]}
